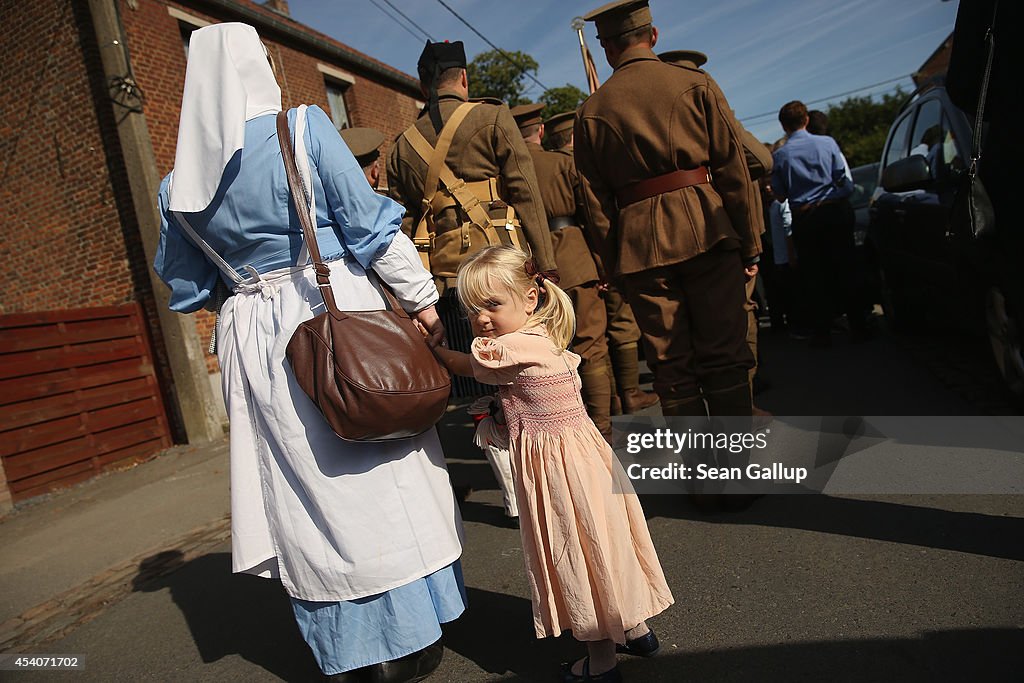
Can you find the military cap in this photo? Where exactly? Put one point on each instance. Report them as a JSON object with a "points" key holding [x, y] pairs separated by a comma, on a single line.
{"points": [[364, 143], [527, 114], [690, 58], [436, 57], [618, 17], [560, 122]]}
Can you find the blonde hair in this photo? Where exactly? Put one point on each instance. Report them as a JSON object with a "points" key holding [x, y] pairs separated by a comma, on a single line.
{"points": [[506, 265]]}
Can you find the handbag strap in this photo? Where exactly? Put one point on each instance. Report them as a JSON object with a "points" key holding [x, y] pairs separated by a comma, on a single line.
{"points": [[321, 269], [990, 46], [211, 254]]}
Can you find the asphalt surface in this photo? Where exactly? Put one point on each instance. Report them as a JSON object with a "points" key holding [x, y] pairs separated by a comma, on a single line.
{"points": [[796, 588]]}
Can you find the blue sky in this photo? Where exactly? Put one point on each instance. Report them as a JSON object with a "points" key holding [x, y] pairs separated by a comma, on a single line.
{"points": [[762, 52]]}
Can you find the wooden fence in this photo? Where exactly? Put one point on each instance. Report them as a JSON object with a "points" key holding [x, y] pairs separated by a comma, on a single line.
{"points": [[78, 395]]}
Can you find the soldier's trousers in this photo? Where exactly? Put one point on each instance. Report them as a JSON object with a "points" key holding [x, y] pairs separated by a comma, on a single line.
{"points": [[622, 327], [589, 342], [694, 325]]}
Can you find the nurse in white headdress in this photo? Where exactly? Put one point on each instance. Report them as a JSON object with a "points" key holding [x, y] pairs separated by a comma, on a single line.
{"points": [[366, 538]]}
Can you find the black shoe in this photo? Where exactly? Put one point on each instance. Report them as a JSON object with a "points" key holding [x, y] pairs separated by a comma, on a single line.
{"points": [[646, 645], [408, 669], [612, 675], [360, 675]]}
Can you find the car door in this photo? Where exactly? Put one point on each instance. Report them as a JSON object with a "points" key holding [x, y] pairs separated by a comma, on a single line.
{"points": [[923, 213], [887, 212]]}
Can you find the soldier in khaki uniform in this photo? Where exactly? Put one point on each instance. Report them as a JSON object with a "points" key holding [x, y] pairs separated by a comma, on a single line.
{"points": [[576, 270], [489, 155], [622, 334], [759, 165], [364, 144], [671, 205]]}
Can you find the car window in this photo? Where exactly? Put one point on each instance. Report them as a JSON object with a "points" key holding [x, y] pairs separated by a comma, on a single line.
{"points": [[928, 136], [898, 142], [951, 158]]}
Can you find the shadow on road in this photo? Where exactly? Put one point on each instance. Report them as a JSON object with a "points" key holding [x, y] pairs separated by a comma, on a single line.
{"points": [[250, 617], [232, 614], [962, 655], [967, 532], [496, 633]]}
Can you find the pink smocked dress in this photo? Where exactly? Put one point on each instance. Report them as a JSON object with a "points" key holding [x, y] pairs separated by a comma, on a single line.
{"points": [[589, 556]]}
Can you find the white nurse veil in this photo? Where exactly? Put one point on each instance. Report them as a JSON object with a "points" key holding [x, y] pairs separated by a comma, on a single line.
{"points": [[228, 81]]}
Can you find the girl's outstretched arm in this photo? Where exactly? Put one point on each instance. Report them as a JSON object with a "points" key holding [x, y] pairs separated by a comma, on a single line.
{"points": [[457, 362]]}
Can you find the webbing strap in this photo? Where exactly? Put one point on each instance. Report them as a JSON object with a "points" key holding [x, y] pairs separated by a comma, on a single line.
{"points": [[440, 152], [423, 236], [457, 187]]}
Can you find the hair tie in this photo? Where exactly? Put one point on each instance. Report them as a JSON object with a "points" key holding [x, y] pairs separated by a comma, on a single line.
{"points": [[540, 275]]}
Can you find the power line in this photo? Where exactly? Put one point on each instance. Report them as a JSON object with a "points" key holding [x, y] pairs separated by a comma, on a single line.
{"points": [[392, 18], [404, 16], [496, 48], [832, 97]]}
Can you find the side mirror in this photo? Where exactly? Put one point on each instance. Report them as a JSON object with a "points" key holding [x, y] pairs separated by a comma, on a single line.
{"points": [[907, 174]]}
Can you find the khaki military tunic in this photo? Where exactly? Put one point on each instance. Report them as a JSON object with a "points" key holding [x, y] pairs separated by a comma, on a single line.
{"points": [[622, 329], [576, 270], [652, 118], [487, 145], [679, 253], [556, 175]]}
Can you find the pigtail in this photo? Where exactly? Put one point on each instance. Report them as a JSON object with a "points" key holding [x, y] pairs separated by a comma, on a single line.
{"points": [[555, 312]]}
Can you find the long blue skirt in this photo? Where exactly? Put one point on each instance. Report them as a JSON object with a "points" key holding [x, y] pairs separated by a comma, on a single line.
{"points": [[378, 628]]}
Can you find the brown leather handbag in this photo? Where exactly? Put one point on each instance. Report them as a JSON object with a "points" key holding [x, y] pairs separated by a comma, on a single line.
{"points": [[369, 372]]}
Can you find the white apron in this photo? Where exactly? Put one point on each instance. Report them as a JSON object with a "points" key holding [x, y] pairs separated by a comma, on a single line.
{"points": [[335, 520]]}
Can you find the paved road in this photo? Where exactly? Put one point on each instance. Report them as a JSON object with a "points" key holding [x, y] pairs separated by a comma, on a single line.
{"points": [[805, 588]]}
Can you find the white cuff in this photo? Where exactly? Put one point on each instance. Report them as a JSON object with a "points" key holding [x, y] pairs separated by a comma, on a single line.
{"points": [[400, 267]]}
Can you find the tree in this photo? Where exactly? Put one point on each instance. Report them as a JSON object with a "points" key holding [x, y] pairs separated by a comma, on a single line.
{"points": [[563, 98], [492, 75], [860, 125]]}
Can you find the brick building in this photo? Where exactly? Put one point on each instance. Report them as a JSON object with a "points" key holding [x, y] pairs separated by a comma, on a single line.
{"points": [[90, 99], [933, 70]]}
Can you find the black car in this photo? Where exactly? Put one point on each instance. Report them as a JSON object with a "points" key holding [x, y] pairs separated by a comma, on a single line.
{"points": [[933, 274], [865, 180]]}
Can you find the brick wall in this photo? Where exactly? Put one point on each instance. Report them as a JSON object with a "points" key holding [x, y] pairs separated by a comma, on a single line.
{"points": [[68, 234], [61, 242], [158, 57]]}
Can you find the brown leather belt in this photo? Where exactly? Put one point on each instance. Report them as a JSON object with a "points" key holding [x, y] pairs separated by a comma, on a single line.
{"points": [[661, 184], [559, 222]]}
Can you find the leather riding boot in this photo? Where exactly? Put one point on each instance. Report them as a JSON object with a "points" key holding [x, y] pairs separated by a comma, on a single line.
{"points": [[692, 407], [683, 407], [734, 400], [626, 366], [616, 401], [597, 396]]}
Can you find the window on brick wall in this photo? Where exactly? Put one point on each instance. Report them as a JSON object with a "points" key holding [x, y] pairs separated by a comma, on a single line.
{"points": [[186, 34], [336, 101]]}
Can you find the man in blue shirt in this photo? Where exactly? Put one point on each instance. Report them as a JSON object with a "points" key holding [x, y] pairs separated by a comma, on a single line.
{"points": [[811, 173]]}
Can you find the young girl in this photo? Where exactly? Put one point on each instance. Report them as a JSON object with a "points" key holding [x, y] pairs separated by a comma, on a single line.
{"points": [[589, 555]]}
